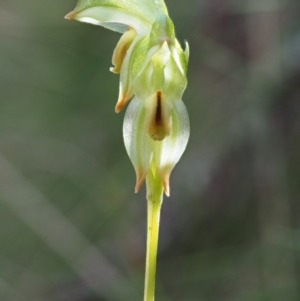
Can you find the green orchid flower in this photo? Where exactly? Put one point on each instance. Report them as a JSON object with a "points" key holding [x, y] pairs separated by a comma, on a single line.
{"points": [[152, 67], [156, 125]]}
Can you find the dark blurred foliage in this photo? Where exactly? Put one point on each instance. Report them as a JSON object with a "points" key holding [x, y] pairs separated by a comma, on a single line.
{"points": [[71, 227]]}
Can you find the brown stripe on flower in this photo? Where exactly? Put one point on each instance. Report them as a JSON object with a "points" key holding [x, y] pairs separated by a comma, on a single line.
{"points": [[158, 116]]}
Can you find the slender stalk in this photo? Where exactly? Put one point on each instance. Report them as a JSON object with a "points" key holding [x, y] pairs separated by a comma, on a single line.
{"points": [[153, 207]]}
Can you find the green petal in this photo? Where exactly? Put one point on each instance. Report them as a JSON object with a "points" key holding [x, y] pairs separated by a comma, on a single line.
{"points": [[111, 13], [130, 67], [187, 52], [162, 30], [160, 71], [175, 81], [150, 76], [173, 146], [138, 144], [121, 49]]}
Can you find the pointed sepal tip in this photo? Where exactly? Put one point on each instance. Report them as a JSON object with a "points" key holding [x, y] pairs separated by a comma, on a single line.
{"points": [[165, 178], [140, 178], [70, 15]]}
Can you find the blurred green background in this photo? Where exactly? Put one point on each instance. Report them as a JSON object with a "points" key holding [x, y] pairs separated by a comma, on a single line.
{"points": [[71, 227]]}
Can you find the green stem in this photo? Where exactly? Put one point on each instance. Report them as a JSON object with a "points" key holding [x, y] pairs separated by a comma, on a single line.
{"points": [[154, 206]]}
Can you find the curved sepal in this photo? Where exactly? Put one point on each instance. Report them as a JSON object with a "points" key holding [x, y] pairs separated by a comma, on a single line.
{"points": [[138, 145], [132, 61], [114, 14], [121, 49], [172, 147]]}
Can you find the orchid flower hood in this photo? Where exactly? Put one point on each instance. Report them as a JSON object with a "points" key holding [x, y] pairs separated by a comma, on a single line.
{"points": [[152, 67]]}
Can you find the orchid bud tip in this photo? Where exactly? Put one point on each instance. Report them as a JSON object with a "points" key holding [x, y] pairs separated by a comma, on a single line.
{"points": [[138, 185], [118, 108], [165, 176], [167, 189], [70, 15], [140, 177], [123, 99]]}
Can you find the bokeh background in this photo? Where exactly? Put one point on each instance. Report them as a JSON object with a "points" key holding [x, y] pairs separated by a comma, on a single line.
{"points": [[71, 227]]}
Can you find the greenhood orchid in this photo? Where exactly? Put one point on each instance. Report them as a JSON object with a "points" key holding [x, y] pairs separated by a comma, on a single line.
{"points": [[152, 67]]}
